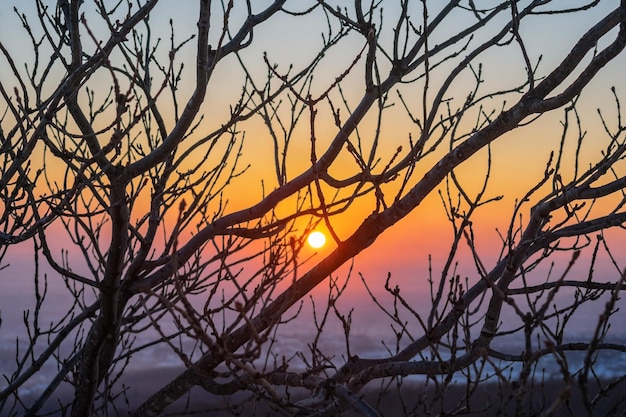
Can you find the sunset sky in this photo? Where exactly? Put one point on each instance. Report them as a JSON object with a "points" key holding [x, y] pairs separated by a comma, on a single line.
{"points": [[519, 159]]}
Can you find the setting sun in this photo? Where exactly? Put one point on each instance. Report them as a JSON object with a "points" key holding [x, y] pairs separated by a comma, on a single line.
{"points": [[316, 239]]}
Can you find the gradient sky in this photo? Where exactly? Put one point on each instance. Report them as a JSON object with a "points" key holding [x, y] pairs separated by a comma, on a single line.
{"points": [[519, 158]]}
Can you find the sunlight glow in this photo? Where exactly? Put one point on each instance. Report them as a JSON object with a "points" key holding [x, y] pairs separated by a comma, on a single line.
{"points": [[316, 239]]}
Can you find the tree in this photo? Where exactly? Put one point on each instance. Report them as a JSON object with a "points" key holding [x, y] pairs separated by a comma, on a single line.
{"points": [[168, 176]]}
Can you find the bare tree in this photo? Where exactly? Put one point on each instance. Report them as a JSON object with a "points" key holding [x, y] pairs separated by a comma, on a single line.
{"points": [[167, 176]]}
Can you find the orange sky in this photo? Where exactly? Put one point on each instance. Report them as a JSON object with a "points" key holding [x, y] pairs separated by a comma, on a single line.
{"points": [[519, 158]]}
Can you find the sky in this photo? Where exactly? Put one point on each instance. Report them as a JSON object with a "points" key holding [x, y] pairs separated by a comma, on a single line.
{"points": [[422, 239]]}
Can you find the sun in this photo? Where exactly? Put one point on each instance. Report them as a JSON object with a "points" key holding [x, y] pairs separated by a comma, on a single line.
{"points": [[316, 239]]}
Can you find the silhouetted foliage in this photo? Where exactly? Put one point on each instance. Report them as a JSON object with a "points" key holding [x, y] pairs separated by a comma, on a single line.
{"points": [[166, 175]]}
